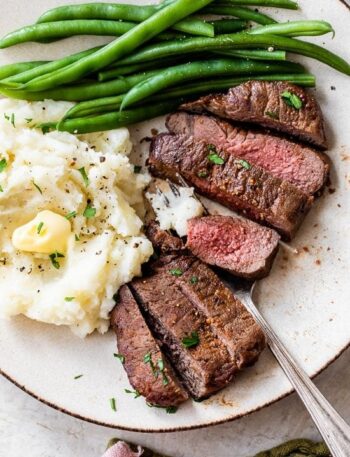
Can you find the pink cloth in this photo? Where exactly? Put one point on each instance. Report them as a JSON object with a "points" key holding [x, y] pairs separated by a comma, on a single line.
{"points": [[122, 449]]}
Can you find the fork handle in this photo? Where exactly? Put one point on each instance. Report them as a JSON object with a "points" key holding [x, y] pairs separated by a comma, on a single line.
{"points": [[332, 427]]}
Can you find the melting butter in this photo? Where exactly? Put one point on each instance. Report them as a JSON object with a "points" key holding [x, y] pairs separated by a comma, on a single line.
{"points": [[48, 232]]}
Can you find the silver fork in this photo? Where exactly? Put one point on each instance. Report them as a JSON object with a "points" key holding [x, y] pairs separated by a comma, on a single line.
{"points": [[332, 427]]}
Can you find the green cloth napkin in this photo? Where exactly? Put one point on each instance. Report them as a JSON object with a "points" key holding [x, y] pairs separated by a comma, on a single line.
{"points": [[297, 448]]}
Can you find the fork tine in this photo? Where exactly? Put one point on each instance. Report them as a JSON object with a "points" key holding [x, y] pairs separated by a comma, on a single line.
{"points": [[183, 183], [174, 188], [165, 198]]}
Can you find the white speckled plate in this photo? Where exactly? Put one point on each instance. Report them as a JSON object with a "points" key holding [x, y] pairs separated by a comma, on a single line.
{"points": [[306, 299]]}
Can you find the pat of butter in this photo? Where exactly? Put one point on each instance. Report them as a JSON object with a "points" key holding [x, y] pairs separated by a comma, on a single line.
{"points": [[48, 232]]}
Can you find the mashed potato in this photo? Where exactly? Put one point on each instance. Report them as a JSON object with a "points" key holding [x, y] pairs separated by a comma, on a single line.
{"points": [[90, 181]]}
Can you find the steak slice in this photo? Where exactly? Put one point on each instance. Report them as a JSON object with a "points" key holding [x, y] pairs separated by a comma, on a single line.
{"points": [[195, 302], [228, 318], [300, 165], [242, 247], [163, 241], [261, 102], [135, 341], [235, 183]]}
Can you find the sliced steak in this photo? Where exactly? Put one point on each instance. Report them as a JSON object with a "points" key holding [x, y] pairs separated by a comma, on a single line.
{"points": [[182, 298], [235, 183], [135, 342], [300, 165], [162, 240], [242, 247], [261, 102]]}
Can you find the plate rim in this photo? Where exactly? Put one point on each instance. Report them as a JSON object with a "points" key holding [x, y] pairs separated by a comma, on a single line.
{"points": [[173, 429], [233, 418]]}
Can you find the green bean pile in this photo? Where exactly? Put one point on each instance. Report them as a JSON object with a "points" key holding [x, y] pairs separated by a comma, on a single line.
{"points": [[161, 56]]}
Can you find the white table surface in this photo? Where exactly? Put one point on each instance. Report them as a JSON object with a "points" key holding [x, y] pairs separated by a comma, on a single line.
{"points": [[34, 429]]}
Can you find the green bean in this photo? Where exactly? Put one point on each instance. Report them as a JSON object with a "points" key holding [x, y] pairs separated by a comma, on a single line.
{"points": [[287, 4], [16, 68], [46, 68], [255, 54], [118, 119], [63, 29], [295, 28], [222, 26], [108, 104], [202, 69], [115, 71], [96, 106], [238, 41], [212, 85], [240, 12], [120, 47], [115, 11], [83, 91]]}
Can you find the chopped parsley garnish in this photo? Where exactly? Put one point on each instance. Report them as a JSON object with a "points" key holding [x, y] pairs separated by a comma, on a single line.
{"points": [[159, 370], [272, 114], [191, 340], [137, 169], [215, 158], [194, 280], [76, 237], [1, 189], [69, 298], [148, 361], [45, 128], [202, 174], [54, 259], [70, 215], [176, 272], [135, 393], [244, 164], [84, 175], [160, 364], [113, 404], [292, 100], [37, 187], [171, 409], [28, 121], [211, 148], [39, 228], [89, 212], [3, 165], [168, 409], [78, 376], [161, 367], [10, 118], [120, 357]]}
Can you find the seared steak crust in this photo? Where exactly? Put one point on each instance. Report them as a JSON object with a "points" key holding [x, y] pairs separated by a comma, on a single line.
{"points": [[204, 368], [260, 102], [245, 188], [163, 241], [300, 165], [197, 301], [240, 246], [135, 341]]}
